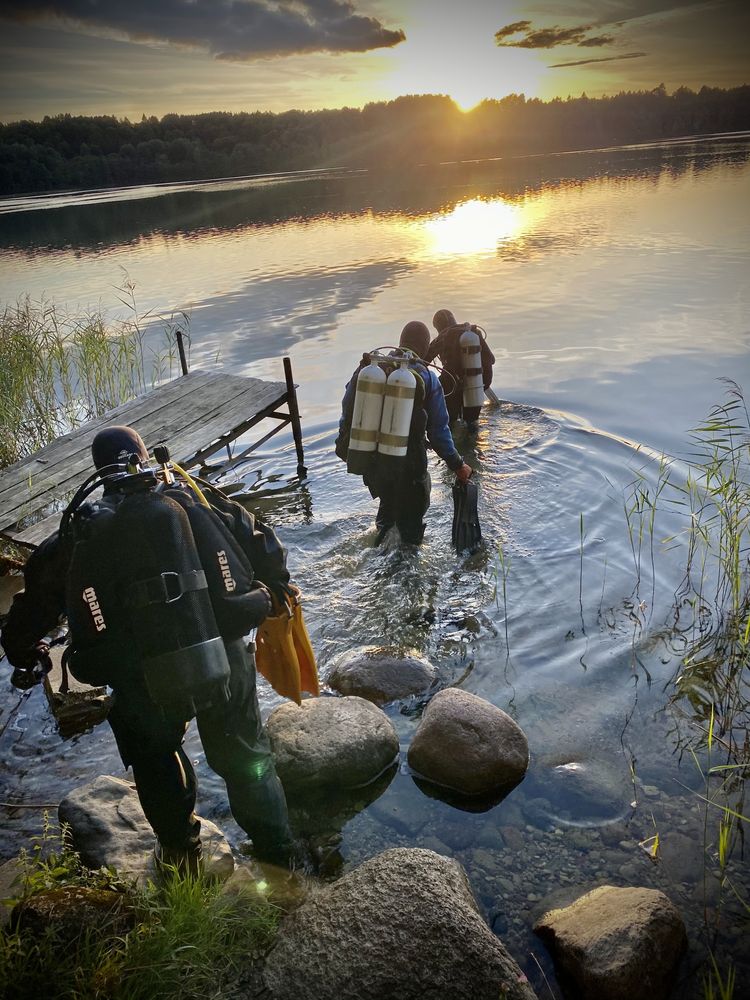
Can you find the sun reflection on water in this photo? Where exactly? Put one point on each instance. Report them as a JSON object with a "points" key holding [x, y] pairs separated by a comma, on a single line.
{"points": [[475, 227]]}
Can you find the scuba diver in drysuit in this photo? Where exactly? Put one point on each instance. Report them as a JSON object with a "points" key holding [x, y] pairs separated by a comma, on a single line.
{"points": [[465, 354], [159, 590], [394, 465]]}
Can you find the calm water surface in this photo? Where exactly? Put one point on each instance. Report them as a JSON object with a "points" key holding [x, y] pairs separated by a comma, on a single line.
{"points": [[613, 289]]}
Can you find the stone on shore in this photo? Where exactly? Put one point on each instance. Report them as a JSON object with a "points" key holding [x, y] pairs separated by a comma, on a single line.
{"points": [[403, 924], [616, 944], [381, 674], [343, 742], [108, 828], [468, 745], [11, 887]]}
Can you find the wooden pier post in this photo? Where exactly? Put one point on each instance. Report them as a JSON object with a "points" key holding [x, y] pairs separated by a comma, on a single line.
{"points": [[294, 414], [181, 349]]}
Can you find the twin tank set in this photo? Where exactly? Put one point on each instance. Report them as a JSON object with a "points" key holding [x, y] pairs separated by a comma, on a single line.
{"points": [[384, 403]]}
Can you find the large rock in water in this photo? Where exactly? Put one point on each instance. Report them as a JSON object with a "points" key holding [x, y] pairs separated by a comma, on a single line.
{"points": [[108, 828], [381, 673], [403, 925], [468, 745], [616, 944], [345, 742], [594, 791]]}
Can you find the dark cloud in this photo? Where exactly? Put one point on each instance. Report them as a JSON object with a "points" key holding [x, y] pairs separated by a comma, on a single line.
{"points": [[511, 29], [601, 59], [548, 38], [230, 29], [597, 40]]}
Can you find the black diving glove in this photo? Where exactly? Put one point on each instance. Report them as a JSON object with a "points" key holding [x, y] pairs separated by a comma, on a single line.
{"points": [[32, 668], [258, 602]]}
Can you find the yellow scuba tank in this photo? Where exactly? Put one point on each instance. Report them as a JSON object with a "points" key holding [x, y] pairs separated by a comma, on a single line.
{"points": [[400, 390], [366, 417], [471, 347]]}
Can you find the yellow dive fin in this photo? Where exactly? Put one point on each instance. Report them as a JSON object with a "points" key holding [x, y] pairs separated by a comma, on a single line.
{"points": [[308, 669], [283, 652]]}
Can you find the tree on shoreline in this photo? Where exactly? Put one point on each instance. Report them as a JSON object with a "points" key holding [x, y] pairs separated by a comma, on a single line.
{"points": [[74, 152]]}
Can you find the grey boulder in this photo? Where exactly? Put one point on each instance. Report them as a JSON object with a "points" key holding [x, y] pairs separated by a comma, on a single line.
{"points": [[381, 673], [466, 744], [616, 944], [108, 828], [344, 742], [404, 924], [594, 791]]}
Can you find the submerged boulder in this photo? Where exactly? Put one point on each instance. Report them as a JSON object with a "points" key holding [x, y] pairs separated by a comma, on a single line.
{"points": [[404, 924], [108, 828], [595, 791], [381, 673], [344, 742], [616, 944], [468, 745]]}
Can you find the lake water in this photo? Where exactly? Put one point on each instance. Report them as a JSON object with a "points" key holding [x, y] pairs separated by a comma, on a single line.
{"points": [[613, 288]]}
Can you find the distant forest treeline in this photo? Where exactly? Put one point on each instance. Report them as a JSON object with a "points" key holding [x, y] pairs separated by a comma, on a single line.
{"points": [[66, 151]]}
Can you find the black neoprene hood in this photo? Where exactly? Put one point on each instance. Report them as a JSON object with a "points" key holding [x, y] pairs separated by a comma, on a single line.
{"points": [[114, 445]]}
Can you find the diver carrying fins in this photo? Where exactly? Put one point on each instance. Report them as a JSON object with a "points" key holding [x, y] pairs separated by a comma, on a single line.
{"points": [[392, 407], [466, 534], [161, 577]]}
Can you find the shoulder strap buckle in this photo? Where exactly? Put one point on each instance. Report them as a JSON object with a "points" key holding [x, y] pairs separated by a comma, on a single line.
{"points": [[166, 588]]}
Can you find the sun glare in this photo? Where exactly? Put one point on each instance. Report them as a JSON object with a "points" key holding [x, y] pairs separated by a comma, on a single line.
{"points": [[474, 227], [467, 91]]}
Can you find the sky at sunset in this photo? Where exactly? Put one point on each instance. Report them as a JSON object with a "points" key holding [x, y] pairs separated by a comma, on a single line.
{"points": [[134, 57]]}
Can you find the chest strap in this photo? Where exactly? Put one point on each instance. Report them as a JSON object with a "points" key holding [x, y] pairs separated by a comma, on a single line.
{"points": [[164, 588]]}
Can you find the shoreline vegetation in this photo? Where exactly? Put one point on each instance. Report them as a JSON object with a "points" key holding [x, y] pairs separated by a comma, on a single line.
{"points": [[66, 152], [58, 370], [92, 934]]}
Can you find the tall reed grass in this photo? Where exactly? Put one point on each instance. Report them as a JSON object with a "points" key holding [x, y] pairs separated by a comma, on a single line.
{"points": [[711, 624], [58, 370]]}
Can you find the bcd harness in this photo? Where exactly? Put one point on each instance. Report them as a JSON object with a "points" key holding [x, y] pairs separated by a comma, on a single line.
{"points": [[156, 583]]}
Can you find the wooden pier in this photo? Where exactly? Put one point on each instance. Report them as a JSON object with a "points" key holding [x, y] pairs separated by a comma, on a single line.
{"points": [[196, 416]]}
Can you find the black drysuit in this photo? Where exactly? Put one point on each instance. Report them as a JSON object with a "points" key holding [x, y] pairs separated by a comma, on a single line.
{"points": [[148, 738]]}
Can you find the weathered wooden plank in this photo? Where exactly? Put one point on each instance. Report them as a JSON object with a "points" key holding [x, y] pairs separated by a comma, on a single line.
{"points": [[36, 534], [229, 423], [72, 451], [206, 407]]}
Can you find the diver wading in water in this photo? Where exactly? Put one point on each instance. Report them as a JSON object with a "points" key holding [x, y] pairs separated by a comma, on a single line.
{"points": [[391, 402], [159, 587], [465, 355]]}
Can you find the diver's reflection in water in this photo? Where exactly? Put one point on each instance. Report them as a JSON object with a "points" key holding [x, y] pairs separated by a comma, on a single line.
{"points": [[318, 818]]}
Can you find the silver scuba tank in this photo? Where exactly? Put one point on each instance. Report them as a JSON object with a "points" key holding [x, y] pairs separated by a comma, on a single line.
{"points": [[400, 390], [471, 348], [366, 417]]}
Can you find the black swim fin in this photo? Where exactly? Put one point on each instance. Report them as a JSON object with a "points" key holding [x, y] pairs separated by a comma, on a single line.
{"points": [[467, 533]]}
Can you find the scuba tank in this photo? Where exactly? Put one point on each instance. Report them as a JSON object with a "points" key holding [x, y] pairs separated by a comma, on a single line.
{"points": [[366, 418], [471, 363], [400, 389], [138, 600]]}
